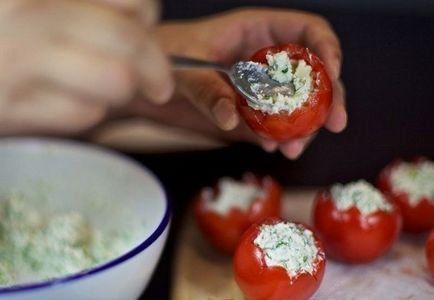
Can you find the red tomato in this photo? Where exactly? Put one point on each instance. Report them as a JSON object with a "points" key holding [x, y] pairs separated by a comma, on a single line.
{"points": [[351, 237], [304, 120], [224, 231], [430, 252], [260, 282], [416, 218]]}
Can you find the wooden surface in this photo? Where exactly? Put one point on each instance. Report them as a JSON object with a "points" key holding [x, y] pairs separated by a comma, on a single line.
{"points": [[203, 274]]}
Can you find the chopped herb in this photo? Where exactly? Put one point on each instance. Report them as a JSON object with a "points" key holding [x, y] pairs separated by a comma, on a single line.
{"points": [[288, 245]]}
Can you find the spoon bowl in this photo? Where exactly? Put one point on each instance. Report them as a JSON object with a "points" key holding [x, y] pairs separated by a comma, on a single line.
{"points": [[249, 78]]}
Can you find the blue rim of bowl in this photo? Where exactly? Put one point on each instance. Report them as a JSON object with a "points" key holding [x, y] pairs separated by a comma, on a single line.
{"points": [[141, 247]]}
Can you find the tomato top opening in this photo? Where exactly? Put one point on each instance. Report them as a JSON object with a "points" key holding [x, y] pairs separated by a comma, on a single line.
{"points": [[412, 190], [260, 281], [223, 228], [302, 121]]}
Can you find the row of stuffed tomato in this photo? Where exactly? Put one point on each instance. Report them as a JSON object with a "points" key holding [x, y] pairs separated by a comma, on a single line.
{"points": [[347, 235]]}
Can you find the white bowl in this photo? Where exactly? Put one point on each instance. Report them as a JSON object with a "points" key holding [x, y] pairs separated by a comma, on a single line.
{"points": [[69, 175]]}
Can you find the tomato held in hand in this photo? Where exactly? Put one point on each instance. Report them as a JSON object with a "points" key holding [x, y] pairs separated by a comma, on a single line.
{"points": [[302, 119], [411, 186], [278, 260], [430, 252], [355, 222], [223, 213]]}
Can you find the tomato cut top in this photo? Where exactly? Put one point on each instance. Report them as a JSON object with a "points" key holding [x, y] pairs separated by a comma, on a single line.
{"points": [[304, 120], [412, 190], [223, 224], [260, 280], [357, 230]]}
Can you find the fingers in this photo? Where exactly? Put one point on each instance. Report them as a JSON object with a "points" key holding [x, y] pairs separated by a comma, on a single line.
{"points": [[210, 94], [311, 31], [156, 80], [114, 58], [98, 28], [294, 148], [336, 122], [49, 111], [319, 36], [102, 79], [337, 119], [124, 4], [269, 146], [149, 10]]}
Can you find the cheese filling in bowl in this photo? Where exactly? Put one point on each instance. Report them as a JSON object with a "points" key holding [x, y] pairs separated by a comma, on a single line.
{"points": [[35, 246]]}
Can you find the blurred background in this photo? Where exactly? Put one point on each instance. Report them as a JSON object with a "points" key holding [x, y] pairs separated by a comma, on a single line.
{"points": [[388, 71]]}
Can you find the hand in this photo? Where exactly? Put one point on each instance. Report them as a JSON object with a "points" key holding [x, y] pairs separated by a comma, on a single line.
{"points": [[147, 10], [64, 63], [237, 35]]}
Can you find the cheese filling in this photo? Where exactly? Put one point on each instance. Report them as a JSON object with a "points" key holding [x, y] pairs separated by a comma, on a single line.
{"points": [[232, 194], [289, 246], [359, 194], [284, 70], [416, 180], [36, 247]]}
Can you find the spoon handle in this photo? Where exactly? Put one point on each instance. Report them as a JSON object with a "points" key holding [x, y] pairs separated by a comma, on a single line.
{"points": [[181, 62]]}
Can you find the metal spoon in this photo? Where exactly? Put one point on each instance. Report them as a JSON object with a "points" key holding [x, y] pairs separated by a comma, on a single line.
{"points": [[249, 78]]}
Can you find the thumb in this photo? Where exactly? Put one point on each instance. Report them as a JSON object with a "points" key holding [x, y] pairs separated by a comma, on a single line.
{"points": [[211, 94]]}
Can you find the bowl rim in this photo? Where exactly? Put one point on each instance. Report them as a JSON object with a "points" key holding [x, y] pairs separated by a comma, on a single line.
{"points": [[164, 223]]}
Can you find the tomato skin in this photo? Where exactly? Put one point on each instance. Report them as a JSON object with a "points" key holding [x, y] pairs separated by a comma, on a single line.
{"points": [[304, 120], [224, 231], [430, 252], [416, 219], [260, 282], [351, 237]]}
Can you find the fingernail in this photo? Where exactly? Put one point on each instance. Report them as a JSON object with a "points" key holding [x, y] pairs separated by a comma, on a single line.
{"points": [[337, 69], [344, 121], [269, 146], [296, 150], [225, 114], [164, 93], [341, 121], [334, 67]]}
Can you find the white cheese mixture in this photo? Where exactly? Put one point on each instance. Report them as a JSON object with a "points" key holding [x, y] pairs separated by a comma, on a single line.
{"points": [[359, 194], [233, 193], [416, 180], [284, 70], [289, 246], [36, 247], [280, 67]]}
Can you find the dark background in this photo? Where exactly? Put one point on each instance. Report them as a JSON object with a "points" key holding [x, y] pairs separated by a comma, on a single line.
{"points": [[388, 71]]}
